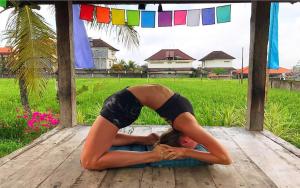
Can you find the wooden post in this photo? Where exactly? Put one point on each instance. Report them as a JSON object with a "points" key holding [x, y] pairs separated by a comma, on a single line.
{"points": [[259, 26], [66, 78], [242, 73]]}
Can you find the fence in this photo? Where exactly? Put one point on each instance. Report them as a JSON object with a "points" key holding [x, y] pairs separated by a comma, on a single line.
{"points": [[291, 85]]}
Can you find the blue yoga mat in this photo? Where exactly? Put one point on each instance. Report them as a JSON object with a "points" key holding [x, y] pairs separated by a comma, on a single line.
{"points": [[187, 162]]}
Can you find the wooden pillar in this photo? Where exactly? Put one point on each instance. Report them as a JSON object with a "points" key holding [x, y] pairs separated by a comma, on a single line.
{"points": [[259, 31], [66, 78]]}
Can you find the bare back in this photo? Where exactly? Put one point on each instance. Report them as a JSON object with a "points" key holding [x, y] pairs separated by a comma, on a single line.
{"points": [[151, 95]]}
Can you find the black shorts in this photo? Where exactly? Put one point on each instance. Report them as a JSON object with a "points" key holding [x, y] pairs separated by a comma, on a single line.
{"points": [[121, 108], [173, 107]]}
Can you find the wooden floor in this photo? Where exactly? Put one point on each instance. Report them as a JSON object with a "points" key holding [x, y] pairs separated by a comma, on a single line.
{"points": [[260, 160]]}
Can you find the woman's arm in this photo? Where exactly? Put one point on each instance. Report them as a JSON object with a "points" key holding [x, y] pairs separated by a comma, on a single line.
{"points": [[180, 153], [217, 153]]}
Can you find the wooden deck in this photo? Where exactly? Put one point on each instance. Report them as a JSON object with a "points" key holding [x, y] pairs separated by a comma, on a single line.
{"points": [[260, 160]]}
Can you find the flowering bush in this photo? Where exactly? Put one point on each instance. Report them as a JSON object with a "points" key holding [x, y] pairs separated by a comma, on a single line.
{"points": [[38, 120]]}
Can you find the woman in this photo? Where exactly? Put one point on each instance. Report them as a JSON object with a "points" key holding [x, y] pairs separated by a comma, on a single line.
{"points": [[123, 108]]}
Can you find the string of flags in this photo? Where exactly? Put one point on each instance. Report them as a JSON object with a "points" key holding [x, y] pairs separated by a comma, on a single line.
{"points": [[147, 19]]}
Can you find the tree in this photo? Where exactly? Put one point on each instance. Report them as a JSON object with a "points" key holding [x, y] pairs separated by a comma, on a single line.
{"points": [[124, 34], [123, 64], [117, 67], [131, 66], [33, 50], [33, 44], [219, 71]]}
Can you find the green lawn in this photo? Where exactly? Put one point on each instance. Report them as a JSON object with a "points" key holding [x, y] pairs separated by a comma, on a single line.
{"points": [[216, 102]]}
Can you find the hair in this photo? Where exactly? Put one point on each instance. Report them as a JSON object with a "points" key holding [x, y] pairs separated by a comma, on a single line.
{"points": [[171, 138]]}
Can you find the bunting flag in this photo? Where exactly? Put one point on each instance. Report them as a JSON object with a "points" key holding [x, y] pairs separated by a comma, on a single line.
{"points": [[273, 54], [165, 19], [102, 14], [3, 3], [208, 16], [148, 19], [83, 55], [133, 17], [224, 14], [118, 16], [86, 12], [180, 17], [193, 17]]}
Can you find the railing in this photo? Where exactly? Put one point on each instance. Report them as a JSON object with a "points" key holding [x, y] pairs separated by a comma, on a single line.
{"points": [[291, 85]]}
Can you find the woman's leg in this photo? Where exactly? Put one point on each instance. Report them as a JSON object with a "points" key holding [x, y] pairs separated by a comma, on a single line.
{"points": [[95, 153], [122, 139]]}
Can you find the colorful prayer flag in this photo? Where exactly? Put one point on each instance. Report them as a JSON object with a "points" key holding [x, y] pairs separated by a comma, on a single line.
{"points": [[86, 12], [224, 14], [118, 16], [3, 3], [102, 14], [83, 55], [133, 17], [165, 19], [148, 19], [180, 17], [273, 56], [193, 17], [208, 16]]}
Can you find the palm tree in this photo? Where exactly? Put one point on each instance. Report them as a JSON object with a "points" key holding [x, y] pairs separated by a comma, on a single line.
{"points": [[124, 34], [33, 50], [132, 66], [34, 47]]}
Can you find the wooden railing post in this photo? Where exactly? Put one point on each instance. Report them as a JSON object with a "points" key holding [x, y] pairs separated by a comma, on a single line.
{"points": [[66, 79], [259, 34]]}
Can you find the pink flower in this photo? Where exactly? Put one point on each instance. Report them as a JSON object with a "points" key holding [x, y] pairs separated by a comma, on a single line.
{"points": [[25, 116], [54, 121], [31, 123], [45, 125], [43, 117], [36, 114]]}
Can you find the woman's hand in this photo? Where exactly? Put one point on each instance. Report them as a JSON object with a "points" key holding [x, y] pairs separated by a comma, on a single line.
{"points": [[174, 152], [151, 139], [160, 150]]}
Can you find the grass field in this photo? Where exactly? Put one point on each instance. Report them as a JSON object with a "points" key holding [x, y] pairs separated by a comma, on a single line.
{"points": [[216, 103]]}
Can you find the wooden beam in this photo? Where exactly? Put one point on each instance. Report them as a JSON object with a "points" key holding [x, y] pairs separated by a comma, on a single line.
{"points": [[153, 1], [259, 31], [66, 80]]}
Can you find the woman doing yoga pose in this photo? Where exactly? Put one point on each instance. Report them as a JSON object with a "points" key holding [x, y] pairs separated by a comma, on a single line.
{"points": [[123, 108]]}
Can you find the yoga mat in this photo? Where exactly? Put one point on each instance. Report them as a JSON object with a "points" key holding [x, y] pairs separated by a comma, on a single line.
{"points": [[187, 162]]}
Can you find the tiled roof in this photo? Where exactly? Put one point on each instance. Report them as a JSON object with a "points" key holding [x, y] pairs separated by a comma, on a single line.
{"points": [[170, 54], [216, 55], [5, 50], [100, 43], [271, 71]]}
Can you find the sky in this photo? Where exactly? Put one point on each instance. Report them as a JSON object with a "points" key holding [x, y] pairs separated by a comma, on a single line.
{"points": [[199, 41]]}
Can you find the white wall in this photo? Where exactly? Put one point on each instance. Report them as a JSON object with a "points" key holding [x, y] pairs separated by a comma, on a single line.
{"points": [[217, 63], [111, 58], [170, 64], [104, 58], [100, 63]]}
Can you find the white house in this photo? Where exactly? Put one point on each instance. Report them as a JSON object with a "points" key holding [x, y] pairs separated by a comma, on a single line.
{"points": [[217, 59], [296, 68], [103, 54], [170, 60]]}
